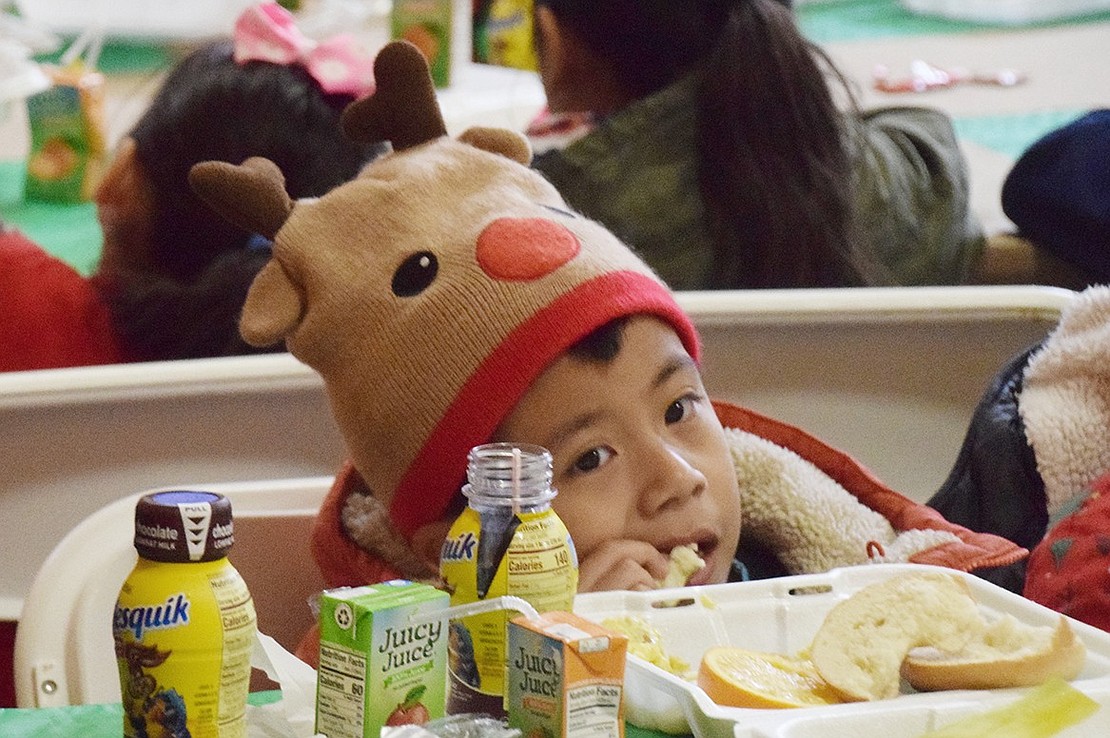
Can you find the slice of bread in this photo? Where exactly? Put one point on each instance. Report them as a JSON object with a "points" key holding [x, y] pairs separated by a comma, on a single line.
{"points": [[864, 639], [1008, 653]]}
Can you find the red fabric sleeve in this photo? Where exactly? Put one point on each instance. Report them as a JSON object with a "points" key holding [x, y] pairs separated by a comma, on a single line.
{"points": [[342, 562], [50, 316], [1069, 571]]}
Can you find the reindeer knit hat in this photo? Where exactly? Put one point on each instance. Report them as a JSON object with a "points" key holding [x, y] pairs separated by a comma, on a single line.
{"points": [[432, 290]]}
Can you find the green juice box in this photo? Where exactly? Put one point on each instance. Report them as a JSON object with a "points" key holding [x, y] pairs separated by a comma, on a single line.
{"points": [[378, 666], [68, 147], [441, 29]]}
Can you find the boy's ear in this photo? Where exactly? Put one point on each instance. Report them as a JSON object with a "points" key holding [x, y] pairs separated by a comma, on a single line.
{"points": [[554, 56], [126, 211]]}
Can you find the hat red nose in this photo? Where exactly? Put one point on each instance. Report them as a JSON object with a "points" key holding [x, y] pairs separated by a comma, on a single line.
{"points": [[523, 249]]}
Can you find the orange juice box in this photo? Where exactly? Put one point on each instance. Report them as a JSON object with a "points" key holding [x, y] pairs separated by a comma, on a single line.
{"points": [[379, 666], [565, 677]]}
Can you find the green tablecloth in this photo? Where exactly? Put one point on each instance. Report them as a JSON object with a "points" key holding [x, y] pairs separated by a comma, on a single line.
{"points": [[106, 721], [826, 21], [79, 721], [70, 232]]}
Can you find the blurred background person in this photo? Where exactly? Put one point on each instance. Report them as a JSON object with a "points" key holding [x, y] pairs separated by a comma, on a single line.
{"points": [[727, 150]]}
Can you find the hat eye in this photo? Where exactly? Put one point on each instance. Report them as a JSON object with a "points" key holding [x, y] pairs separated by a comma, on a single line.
{"points": [[415, 274]]}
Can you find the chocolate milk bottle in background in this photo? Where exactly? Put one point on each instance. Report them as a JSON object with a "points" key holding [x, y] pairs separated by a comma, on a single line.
{"points": [[508, 541], [184, 622]]}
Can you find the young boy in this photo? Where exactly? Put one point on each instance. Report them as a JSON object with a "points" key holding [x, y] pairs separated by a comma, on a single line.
{"points": [[448, 298], [633, 435]]}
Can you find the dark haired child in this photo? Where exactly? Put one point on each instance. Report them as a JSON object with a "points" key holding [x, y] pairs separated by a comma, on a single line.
{"points": [[172, 276], [726, 149]]}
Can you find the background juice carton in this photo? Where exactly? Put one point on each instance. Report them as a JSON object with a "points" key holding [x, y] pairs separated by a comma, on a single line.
{"points": [[68, 147], [565, 677], [377, 668], [441, 29]]}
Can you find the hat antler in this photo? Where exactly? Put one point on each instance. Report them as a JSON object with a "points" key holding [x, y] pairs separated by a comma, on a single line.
{"points": [[251, 195], [403, 110]]}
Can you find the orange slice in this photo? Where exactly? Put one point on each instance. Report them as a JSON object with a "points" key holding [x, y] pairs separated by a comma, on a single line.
{"points": [[736, 677]]}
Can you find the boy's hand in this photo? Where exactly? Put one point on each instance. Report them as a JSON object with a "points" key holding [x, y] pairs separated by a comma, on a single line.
{"points": [[622, 564]]}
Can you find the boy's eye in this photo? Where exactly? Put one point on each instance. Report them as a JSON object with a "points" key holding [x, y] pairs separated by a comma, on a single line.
{"points": [[591, 460], [677, 410]]}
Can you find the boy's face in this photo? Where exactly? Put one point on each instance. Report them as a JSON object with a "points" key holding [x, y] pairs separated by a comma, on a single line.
{"points": [[641, 463]]}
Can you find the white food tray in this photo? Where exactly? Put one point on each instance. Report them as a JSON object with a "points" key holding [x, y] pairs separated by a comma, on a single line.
{"points": [[782, 615], [1007, 12]]}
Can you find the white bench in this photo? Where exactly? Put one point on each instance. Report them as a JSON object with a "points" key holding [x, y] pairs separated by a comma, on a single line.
{"points": [[889, 375], [74, 440]]}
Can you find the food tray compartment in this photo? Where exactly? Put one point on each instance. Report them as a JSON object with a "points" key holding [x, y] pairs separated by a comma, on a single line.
{"points": [[782, 615]]}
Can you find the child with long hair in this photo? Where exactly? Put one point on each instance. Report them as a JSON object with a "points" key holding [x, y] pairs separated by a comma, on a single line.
{"points": [[174, 275], [725, 147]]}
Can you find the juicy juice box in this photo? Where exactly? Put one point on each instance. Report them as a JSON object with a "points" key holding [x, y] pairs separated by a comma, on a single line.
{"points": [[565, 677], [440, 29], [68, 147], [378, 667]]}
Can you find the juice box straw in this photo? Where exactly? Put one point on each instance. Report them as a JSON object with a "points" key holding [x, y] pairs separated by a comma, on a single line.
{"points": [[505, 602]]}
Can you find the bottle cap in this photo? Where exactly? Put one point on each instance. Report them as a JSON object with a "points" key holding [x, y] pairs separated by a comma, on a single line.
{"points": [[183, 526]]}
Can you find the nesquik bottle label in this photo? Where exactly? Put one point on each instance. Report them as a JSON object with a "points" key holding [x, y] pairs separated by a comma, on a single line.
{"points": [[184, 622]]}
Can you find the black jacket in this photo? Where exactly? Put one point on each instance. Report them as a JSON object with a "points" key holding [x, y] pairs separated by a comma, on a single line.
{"points": [[994, 486]]}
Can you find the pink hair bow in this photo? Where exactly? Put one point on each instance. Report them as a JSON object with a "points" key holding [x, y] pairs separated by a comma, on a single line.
{"points": [[267, 32]]}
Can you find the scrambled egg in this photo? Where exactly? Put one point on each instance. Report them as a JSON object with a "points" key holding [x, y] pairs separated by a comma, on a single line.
{"points": [[683, 563], [645, 642]]}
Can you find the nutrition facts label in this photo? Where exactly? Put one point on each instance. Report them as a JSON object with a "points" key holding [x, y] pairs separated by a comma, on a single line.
{"points": [[540, 566], [593, 711], [238, 619], [341, 692]]}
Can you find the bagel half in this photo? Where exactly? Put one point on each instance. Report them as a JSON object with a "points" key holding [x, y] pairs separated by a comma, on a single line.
{"points": [[864, 639], [1008, 653]]}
